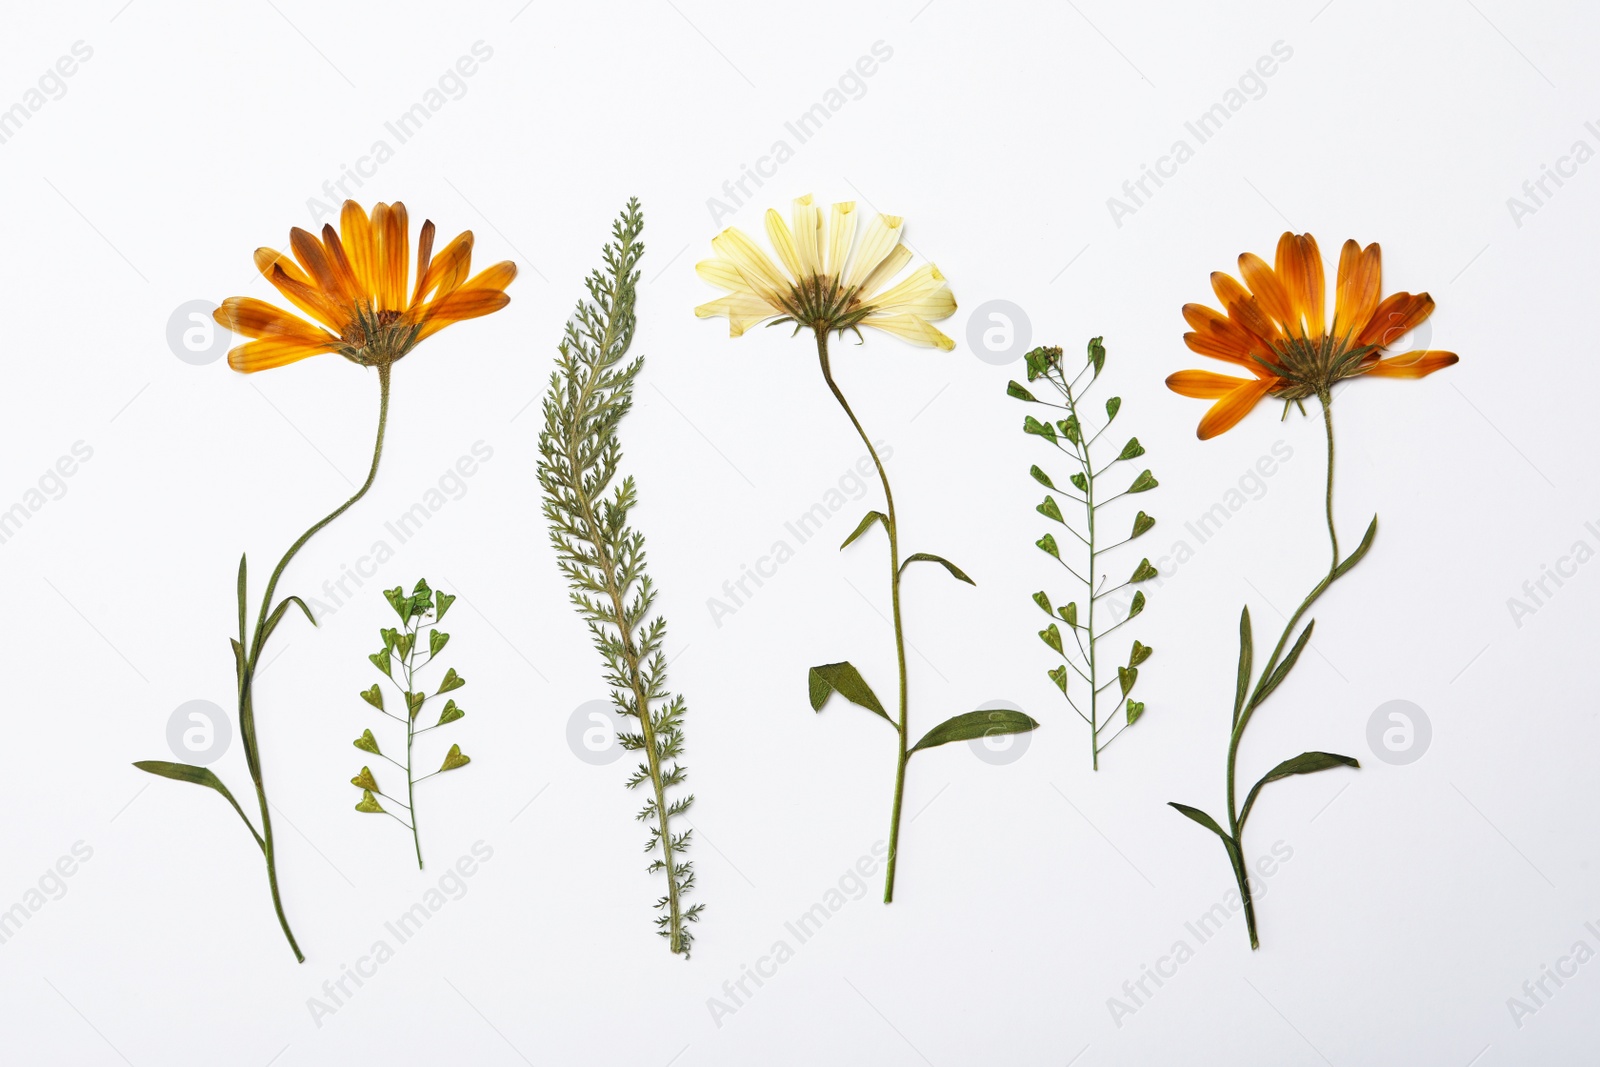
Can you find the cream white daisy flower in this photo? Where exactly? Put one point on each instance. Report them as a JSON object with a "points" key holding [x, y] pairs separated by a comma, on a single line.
{"points": [[829, 279]]}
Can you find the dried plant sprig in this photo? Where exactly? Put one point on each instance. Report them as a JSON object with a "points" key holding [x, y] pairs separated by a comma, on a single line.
{"points": [[603, 557], [352, 283], [399, 654], [1278, 330], [832, 282], [1075, 437]]}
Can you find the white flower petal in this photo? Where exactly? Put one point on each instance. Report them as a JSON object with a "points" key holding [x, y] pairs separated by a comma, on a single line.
{"points": [[883, 234], [841, 235]]}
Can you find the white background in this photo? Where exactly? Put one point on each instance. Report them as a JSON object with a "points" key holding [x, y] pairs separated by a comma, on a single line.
{"points": [[1419, 897]]}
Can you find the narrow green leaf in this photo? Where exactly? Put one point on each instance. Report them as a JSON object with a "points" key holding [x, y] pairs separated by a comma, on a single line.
{"points": [[241, 601], [975, 724], [367, 743], [928, 557], [1305, 763], [1361, 550], [1247, 648], [1013, 389], [844, 679], [454, 759], [1041, 477], [1286, 666], [1202, 818], [1141, 523], [861, 527], [184, 772], [238, 662]]}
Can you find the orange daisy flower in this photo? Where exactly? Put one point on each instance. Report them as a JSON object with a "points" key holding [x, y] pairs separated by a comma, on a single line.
{"points": [[1276, 329], [355, 285]]}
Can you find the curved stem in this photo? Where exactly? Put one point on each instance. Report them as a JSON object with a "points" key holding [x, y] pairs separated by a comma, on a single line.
{"points": [[1321, 587], [899, 627], [247, 726]]}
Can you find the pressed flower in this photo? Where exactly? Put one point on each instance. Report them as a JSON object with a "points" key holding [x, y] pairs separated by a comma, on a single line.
{"points": [[833, 279], [1274, 326], [829, 279], [354, 285]]}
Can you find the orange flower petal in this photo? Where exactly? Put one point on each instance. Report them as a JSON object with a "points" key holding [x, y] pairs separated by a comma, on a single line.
{"points": [[454, 307], [1356, 293], [249, 317], [394, 255], [424, 258], [314, 258], [1395, 317], [1268, 290], [496, 277], [1233, 406], [287, 277], [1417, 364], [360, 245], [1203, 384], [448, 269], [273, 352], [1299, 267], [1243, 308]]}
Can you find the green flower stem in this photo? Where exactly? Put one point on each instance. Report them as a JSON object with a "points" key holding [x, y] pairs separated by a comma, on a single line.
{"points": [[1236, 851], [1080, 452], [899, 628], [247, 720], [412, 629]]}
